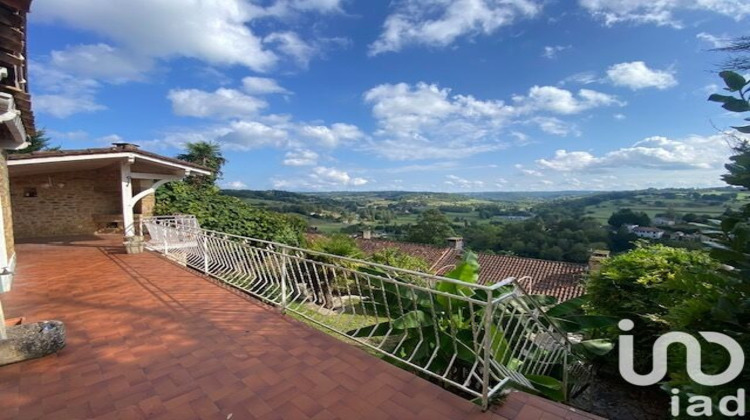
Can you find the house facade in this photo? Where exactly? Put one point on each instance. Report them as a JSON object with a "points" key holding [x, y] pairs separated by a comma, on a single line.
{"points": [[82, 192], [647, 232], [16, 118]]}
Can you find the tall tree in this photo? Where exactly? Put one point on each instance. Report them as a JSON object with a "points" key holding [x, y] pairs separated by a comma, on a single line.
{"points": [[207, 154], [432, 228], [628, 217], [38, 142]]}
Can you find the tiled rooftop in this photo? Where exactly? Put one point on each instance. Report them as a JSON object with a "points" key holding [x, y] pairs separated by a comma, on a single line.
{"points": [[431, 254], [148, 339], [553, 278]]}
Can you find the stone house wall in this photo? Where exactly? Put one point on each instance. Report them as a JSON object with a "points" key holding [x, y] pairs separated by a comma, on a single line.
{"points": [[74, 203], [5, 205], [66, 207]]}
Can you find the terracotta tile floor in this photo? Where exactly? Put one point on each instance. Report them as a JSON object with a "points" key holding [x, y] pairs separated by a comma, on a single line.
{"points": [[148, 339]]}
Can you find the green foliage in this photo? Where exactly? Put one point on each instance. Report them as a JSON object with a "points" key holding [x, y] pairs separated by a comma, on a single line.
{"points": [[394, 257], [205, 154], [553, 234], [628, 217], [665, 289], [198, 196], [226, 214], [341, 245], [38, 142], [433, 329], [646, 282], [432, 227]]}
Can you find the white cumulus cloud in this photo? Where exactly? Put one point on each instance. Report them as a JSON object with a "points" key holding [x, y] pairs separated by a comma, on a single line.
{"points": [[332, 136], [636, 75], [222, 103], [562, 101], [661, 153], [208, 30], [63, 94], [660, 12], [100, 61], [300, 158], [262, 86], [438, 23], [426, 121], [715, 41]]}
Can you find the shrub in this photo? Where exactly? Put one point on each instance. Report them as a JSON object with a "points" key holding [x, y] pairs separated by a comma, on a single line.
{"points": [[222, 213]]}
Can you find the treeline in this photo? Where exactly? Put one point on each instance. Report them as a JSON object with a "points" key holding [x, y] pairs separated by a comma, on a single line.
{"points": [[551, 238]]}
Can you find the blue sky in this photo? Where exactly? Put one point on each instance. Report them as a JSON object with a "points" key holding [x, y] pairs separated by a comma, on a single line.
{"points": [[440, 95]]}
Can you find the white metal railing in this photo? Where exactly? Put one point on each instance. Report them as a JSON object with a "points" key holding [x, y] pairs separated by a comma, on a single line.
{"points": [[473, 337]]}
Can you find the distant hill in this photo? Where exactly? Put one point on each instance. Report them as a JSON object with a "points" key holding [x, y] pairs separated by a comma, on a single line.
{"points": [[528, 195]]}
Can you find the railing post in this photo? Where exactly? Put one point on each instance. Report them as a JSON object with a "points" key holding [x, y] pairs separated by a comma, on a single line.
{"points": [[284, 260], [166, 239], [565, 374], [487, 346], [204, 248]]}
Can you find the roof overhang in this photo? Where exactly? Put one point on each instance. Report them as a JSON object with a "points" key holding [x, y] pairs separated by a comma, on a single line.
{"points": [[12, 133], [149, 165]]}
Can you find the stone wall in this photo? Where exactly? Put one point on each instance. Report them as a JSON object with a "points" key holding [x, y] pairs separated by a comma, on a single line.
{"points": [[66, 206], [5, 205], [146, 205]]}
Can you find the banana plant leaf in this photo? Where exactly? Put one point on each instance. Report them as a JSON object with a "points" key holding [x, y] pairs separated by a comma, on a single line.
{"points": [[569, 307], [413, 319], [375, 330], [467, 271], [547, 386], [597, 347], [578, 323]]}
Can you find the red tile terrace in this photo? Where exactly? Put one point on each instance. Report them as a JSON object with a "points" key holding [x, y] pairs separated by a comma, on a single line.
{"points": [[149, 339]]}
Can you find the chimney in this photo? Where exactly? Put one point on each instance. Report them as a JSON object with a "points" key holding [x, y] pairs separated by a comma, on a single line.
{"points": [[367, 234], [456, 243], [125, 146], [596, 259]]}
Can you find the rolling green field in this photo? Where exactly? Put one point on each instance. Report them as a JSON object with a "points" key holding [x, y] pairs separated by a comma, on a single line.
{"points": [[654, 203], [334, 212]]}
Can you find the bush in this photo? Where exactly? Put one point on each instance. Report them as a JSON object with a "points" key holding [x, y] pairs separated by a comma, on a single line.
{"points": [[666, 289], [222, 213], [646, 283], [394, 257]]}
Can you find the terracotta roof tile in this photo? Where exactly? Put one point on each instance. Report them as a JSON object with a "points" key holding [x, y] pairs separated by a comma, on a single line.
{"points": [[562, 280], [431, 254]]}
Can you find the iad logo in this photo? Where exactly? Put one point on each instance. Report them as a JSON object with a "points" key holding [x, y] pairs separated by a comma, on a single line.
{"points": [[700, 405]]}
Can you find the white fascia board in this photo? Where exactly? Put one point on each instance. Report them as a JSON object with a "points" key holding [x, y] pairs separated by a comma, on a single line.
{"points": [[112, 156]]}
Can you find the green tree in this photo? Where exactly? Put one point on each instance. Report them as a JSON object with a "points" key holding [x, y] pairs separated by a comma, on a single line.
{"points": [[38, 142], [432, 227], [219, 212], [206, 154], [628, 217]]}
